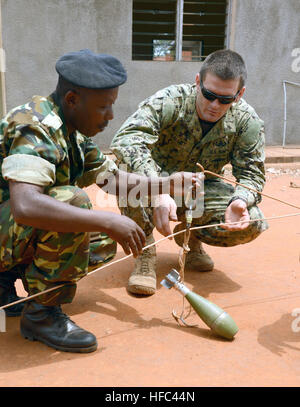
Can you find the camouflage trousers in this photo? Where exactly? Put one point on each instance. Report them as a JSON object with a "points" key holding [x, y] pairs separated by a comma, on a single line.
{"points": [[216, 197], [52, 258]]}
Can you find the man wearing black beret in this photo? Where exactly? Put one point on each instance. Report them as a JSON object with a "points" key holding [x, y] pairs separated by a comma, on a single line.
{"points": [[47, 157]]}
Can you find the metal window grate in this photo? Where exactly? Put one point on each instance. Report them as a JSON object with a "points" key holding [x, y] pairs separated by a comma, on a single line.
{"points": [[154, 29], [160, 33]]}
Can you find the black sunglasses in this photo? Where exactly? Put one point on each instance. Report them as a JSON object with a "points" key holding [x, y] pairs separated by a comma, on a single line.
{"points": [[224, 100]]}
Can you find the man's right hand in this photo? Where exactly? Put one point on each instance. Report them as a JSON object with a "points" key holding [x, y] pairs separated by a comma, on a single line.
{"points": [[127, 233], [164, 211], [30, 206]]}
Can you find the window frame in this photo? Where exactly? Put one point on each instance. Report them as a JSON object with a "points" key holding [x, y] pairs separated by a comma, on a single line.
{"points": [[179, 30]]}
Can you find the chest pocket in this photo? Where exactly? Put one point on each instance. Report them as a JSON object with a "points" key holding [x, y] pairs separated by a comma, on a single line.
{"points": [[173, 148], [215, 154]]}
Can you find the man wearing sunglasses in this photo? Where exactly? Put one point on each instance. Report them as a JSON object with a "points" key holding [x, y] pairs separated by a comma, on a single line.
{"points": [[208, 123]]}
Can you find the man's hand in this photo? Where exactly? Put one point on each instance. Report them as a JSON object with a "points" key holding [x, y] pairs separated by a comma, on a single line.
{"points": [[30, 206], [237, 212], [164, 211], [127, 233]]}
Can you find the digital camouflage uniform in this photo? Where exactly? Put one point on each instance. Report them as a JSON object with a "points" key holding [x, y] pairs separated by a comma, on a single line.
{"points": [[35, 147], [164, 136]]}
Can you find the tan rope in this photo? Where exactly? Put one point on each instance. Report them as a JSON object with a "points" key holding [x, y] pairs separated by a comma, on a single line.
{"points": [[148, 246], [183, 252], [246, 186], [186, 239], [181, 260], [185, 248]]}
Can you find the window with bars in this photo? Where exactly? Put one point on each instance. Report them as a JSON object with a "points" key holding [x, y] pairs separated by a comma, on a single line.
{"points": [[177, 30]]}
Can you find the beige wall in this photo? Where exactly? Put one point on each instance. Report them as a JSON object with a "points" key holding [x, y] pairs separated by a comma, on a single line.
{"points": [[37, 32]]}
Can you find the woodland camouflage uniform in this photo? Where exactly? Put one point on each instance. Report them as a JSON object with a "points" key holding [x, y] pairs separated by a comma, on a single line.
{"points": [[165, 136], [35, 147]]}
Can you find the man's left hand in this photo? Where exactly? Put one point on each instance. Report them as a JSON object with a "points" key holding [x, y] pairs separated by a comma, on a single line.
{"points": [[237, 212]]}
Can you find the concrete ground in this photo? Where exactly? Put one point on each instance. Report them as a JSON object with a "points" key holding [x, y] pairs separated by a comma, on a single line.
{"points": [[140, 343]]}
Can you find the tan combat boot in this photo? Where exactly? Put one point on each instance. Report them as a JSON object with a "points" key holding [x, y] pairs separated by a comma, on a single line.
{"points": [[143, 277], [196, 259]]}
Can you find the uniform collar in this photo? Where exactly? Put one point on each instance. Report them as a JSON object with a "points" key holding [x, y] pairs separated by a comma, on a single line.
{"points": [[57, 113]]}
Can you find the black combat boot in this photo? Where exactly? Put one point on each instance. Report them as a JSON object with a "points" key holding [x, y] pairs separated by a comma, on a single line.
{"points": [[54, 328], [8, 292]]}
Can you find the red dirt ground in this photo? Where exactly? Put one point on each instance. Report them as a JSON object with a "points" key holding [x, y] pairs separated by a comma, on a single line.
{"points": [[140, 344]]}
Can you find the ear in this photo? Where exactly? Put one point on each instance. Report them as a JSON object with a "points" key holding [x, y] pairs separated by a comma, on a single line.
{"points": [[71, 98], [198, 81], [242, 91]]}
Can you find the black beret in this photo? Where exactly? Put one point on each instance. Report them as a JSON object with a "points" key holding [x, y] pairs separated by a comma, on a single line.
{"points": [[86, 69]]}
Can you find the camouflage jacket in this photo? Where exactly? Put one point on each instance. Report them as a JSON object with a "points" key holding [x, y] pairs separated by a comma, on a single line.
{"points": [[35, 147], [165, 135]]}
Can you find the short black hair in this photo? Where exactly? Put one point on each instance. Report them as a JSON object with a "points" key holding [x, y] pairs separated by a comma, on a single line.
{"points": [[63, 86], [226, 64]]}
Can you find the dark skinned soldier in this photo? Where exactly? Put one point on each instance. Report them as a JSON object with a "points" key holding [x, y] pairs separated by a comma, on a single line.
{"points": [[46, 157]]}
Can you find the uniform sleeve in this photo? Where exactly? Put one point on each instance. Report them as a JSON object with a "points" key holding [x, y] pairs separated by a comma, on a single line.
{"points": [[31, 157], [97, 166], [134, 141], [248, 160]]}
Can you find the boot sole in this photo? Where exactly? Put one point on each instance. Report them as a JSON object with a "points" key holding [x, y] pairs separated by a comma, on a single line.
{"points": [[13, 314], [33, 338], [142, 290], [199, 270]]}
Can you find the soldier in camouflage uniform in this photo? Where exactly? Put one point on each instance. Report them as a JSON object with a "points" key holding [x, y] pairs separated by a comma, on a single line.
{"points": [[46, 158], [182, 125]]}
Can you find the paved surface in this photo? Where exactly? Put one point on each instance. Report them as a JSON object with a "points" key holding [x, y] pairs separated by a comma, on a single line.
{"points": [[140, 344], [277, 154]]}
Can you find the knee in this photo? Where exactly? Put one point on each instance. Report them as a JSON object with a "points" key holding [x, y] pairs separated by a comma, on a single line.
{"points": [[216, 236], [102, 250], [142, 216], [72, 195]]}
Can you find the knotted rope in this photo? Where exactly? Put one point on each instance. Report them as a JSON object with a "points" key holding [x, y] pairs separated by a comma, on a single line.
{"points": [[144, 248], [185, 248]]}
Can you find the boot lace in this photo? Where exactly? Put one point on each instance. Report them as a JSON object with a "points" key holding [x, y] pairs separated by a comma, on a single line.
{"points": [[145, 262], [57, 313]]}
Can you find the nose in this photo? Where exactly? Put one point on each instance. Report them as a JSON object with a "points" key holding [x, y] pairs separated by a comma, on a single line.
{"points": [[109, 114], [215, 103]]}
